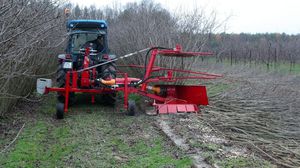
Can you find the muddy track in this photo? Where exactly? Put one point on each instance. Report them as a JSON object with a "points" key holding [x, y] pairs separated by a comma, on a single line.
{"points": [[181, 142]]}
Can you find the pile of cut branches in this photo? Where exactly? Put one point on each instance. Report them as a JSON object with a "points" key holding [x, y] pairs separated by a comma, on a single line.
{"points": [[261, 116]]}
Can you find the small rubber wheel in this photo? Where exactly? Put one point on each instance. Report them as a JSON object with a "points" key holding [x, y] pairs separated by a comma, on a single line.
{"points": [[131, 108], [60, 110]]}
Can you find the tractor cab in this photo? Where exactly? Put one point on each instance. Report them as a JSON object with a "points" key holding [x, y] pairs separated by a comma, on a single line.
{"points": [[87, 33], [84, 31]]}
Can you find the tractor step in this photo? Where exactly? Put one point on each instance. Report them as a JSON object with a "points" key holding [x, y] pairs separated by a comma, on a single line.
{"points": [[176, 108]]}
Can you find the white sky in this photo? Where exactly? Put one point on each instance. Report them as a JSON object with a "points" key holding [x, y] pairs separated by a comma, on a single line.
{"points": [[249, 16]]}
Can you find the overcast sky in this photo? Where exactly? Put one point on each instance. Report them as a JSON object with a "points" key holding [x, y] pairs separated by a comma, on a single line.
{"points": [[250, 16]]}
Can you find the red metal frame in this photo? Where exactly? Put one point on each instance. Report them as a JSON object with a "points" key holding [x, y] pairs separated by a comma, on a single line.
{"points": [[175, 98]]}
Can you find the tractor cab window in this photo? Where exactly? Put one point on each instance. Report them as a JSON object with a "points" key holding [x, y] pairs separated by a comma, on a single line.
{"points": [[81, 40]]}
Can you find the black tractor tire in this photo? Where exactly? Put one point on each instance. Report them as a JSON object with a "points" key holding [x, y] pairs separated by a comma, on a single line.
{"points": [[131, 110], [108, 71], [59, 110], [61, 80]]}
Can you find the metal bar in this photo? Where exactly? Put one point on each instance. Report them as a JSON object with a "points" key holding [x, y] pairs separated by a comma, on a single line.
{"points": [[146, 94], [125, 91], [193, 77], [174, 53], [86, 61], [166, 79], [55, 89], [122, 57], [157, 68], [154, 68], [188, 71], [67, 88], [74, 79], [96, 91], [93, 99], [149, 68]]}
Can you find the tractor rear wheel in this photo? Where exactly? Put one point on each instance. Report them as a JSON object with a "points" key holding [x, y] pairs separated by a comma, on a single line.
{"points": [[61, 80], [108, 71]]}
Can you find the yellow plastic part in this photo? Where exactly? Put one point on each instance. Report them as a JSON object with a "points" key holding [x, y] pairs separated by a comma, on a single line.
{"points": [[108, 82], [156, 90]]}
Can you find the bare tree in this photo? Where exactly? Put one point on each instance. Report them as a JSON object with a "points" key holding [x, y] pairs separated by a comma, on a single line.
{"points": [[29, 40]]}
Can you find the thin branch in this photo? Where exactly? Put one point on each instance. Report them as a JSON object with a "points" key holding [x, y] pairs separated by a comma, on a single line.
{"points": [[6, 147]]}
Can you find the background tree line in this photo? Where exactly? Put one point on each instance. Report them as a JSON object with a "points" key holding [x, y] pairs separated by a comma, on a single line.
{"points": [[195, 31], [270, 49], [32, 33]]}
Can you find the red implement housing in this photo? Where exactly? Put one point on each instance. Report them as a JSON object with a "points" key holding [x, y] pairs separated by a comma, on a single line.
{"points": [[166, 98]]}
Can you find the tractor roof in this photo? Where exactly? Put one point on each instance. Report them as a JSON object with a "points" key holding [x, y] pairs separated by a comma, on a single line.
{"points": [[100, 24]]}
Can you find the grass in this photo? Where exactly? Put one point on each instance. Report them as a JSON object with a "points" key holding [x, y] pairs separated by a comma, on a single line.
{"points": [[279, 67], [155, 157], [239, 162], [92, 136], [210, 151], [97, 136], [283, 67], [39, 145], [207, 146], [235, 161], [214, 89]]}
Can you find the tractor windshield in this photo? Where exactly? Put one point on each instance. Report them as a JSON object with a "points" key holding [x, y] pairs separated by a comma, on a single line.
{"points": [[79, 40]]}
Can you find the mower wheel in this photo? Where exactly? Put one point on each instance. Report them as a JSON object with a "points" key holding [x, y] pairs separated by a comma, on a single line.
{"points": [[61, 80], [59, 110], [131, 108]]}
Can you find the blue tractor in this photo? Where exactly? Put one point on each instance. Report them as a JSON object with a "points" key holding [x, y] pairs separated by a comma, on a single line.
{"points": [[87, 67], [83, 34]]}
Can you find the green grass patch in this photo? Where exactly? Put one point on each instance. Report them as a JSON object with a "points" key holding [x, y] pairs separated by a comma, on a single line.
{"points": [[283, 67], [206, 146], [210, 156], [212, 153], [235, 162], [136, 97], [279, 67], [39, 145], [243, 162], [91, 136], [217, 88], [151, 155]]}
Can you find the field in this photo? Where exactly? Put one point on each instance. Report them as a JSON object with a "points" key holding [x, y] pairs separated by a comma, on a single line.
{"points": [[89, 137], [252, 121], [253, 116]]}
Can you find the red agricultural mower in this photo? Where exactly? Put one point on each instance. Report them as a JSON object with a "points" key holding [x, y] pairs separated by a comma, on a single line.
{"points": [[89, 71]]}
